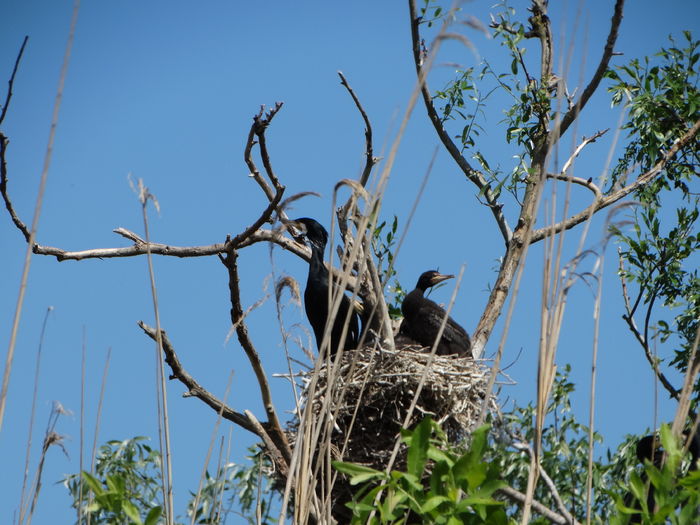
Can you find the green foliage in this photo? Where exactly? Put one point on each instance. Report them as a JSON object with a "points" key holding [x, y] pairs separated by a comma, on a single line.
{"points": [[384, 249], [431, 12], [660, 252], [564, 453], [438, 486], [242, 487], [676, 496], [456, 94], [125, 488], [663, 101]]}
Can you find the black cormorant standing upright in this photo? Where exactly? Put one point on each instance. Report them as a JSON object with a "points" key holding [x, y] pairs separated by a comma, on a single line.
{"points": [[422, 319], [316, 292]]}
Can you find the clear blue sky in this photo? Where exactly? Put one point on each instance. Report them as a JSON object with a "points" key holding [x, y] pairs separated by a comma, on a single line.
{"points": [[166, 91]]}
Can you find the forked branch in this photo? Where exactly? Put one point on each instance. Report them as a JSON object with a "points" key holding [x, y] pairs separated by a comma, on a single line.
{"points": [[606, 201], [246, 421]]}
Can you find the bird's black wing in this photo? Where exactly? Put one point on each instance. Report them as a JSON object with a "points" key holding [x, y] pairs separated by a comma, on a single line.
{"points": [[455, 339]]}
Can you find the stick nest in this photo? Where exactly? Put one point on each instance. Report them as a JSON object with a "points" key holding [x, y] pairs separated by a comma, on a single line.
{"points": [[376, 388]]}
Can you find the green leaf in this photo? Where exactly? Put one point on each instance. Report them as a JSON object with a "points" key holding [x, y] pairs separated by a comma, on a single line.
{"points": [[153, 515], [92, 482], [432, 503], [358, 473], [418, 447], [132, 512]]}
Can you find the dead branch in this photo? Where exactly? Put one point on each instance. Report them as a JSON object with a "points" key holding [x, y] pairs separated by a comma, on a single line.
{"points": [[370, 160], [603, 202], [276, 432], [475, 176], [194, 389], [586, 183], [260, 123], [521, 444], [3, 189], [585, 142], [140, 247], [11, 82]]}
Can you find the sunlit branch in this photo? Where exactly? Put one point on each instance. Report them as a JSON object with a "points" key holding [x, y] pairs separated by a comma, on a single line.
{"points": [[603, 202]]}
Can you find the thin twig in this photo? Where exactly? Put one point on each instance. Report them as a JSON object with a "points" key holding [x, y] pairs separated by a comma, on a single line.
{"points": [[11, 82], [629, 319], [370, 160], [586, 183], [641, 181]]}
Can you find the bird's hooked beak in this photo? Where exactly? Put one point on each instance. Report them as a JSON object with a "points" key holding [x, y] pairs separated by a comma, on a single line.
{"points": [[296, 228], [439, 277]]}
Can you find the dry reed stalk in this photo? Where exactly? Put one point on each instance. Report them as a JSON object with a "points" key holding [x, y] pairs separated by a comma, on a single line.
{"points": [[32, 413], [82, 425], [161, 390], [98, 417], [205, 467], [37, 209]]}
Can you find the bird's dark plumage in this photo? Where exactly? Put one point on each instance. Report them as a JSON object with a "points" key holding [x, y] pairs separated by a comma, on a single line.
{"points": [[649, 449], [316, 293], [422, 319]]}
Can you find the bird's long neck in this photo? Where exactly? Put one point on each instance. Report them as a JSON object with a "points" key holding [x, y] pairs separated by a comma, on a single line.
{"points": [[418, 291], [316, 266]]}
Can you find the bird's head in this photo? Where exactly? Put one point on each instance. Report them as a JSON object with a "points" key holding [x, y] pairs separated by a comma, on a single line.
{"points": [[311, 230], [431, 278]]}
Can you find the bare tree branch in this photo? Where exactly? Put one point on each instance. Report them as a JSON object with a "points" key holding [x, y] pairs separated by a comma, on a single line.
{"points": [[257, 129], [599, 204], [370, 160], [194, 389], [571, 115], [476, 177], [586, 183], [276, 432], [11, 82], [585, 142], [519, 497], [3, 189], [140, 248]]}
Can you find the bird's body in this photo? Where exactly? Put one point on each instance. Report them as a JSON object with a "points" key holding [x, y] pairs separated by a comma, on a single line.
{"points": [[422, 319], [316, 295]]}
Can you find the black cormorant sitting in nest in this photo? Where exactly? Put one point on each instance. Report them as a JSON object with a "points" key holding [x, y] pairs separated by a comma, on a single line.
{"points": [[422, 319], [316, 292]]}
